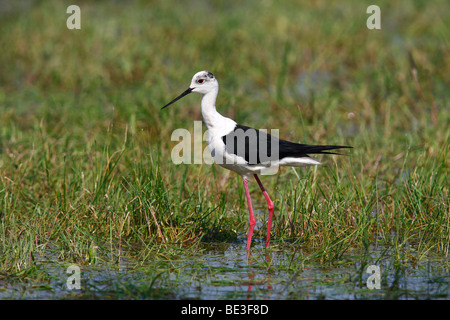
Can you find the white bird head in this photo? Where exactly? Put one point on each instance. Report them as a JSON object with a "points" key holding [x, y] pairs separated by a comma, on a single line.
{"points": [[202, 82]]}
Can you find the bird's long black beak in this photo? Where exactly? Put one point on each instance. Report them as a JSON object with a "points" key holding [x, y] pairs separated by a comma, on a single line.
{"points": [[189, 90]]}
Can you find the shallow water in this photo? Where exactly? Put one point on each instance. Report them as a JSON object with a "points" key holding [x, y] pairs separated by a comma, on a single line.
{"points": [[281, 274], [224, 271]]}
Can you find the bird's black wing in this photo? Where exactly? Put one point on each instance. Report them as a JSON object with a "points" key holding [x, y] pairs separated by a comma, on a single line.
{"points": [[257, 146]]}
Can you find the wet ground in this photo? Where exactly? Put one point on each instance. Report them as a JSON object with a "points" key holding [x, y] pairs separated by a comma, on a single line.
{"points": [[224, 271]]}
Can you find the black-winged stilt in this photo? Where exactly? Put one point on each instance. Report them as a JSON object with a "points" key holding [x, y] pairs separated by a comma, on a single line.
{"points": [[245, 150]]}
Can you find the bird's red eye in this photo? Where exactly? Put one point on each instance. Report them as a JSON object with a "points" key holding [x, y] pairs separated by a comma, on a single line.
{"points": [[201, 80]]}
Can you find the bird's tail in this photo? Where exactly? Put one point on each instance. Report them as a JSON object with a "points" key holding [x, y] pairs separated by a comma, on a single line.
{"points": [[322, 149]]}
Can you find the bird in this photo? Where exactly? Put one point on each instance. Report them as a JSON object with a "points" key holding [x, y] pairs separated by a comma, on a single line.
{"points": [[245, 150]]}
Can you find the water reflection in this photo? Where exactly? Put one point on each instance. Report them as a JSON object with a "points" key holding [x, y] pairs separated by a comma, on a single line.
{"points": [[228, 271], [284, 272], [253, 273]]}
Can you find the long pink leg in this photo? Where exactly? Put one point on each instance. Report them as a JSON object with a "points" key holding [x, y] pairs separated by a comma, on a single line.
{"points": [[252, 217], [271, 207]]}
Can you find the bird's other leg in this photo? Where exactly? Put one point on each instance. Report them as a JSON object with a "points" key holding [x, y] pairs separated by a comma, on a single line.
{"points": [[270, 206], [252, 217]]}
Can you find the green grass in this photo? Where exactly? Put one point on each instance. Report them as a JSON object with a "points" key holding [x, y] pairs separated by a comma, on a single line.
{"points": [[85, 167]]}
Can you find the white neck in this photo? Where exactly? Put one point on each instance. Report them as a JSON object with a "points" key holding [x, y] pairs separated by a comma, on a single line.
{"points": [[217, 124], [209, 112]]}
